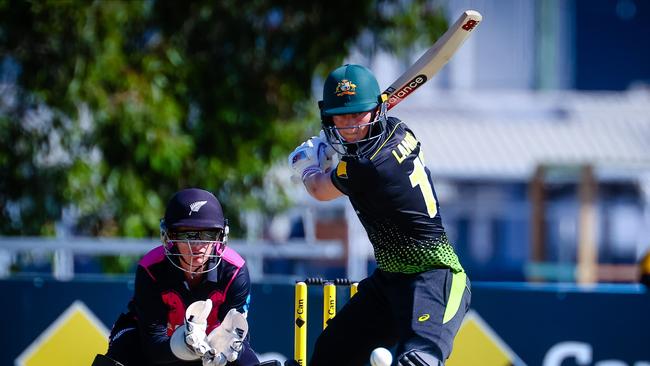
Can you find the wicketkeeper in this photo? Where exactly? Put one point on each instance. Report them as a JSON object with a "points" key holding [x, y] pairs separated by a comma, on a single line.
{"points": [[191, 294]]}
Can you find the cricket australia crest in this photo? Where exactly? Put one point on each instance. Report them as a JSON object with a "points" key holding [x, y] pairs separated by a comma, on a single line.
{"points": [[345, 87]]}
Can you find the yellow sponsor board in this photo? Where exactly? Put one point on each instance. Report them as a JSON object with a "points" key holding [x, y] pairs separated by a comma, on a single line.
{"points": [[478, 345], [72, 340]]}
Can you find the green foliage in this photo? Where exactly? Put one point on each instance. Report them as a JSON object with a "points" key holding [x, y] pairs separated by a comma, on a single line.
{"points": [[115, 105]]}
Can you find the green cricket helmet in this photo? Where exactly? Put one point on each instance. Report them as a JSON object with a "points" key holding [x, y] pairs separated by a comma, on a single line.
{"points": [[353, 89]]}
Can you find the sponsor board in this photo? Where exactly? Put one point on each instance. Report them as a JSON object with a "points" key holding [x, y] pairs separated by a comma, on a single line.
{"points": [[477, 344], [72, 339]]}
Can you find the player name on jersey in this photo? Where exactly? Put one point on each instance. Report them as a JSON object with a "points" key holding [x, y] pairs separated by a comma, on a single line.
{"points": [[405, 147]]}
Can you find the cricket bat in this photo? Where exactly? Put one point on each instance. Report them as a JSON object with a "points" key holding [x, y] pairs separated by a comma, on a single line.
{"points": [[434, 59]]}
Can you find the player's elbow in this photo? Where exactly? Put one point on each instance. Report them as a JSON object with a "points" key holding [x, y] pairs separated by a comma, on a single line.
{"points": [[321, 188], [320, 194]]}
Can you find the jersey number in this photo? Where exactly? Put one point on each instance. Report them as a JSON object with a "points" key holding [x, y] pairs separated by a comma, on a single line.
{"points": [[419, 178]]}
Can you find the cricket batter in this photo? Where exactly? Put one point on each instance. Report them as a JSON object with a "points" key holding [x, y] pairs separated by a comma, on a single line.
{"points": [[191, 294], [416, 299]]}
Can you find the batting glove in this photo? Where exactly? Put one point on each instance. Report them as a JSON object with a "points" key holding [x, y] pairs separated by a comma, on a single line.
{"points": [[304, 159], [313, 155], [328, 157]]}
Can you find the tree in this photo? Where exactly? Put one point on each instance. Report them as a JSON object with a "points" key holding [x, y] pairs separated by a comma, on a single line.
{"points": [[111, 106]]}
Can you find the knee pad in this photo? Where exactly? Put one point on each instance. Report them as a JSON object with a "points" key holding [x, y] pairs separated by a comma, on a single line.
{"points": [[101, 360], [418, 358]]}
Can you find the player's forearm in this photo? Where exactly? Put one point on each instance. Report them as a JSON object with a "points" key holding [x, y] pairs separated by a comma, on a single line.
{"points": [[238, 295], [320, 186]]}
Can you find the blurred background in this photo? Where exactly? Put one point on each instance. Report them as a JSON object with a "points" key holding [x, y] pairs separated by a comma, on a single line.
{"points": [[537, 134]]}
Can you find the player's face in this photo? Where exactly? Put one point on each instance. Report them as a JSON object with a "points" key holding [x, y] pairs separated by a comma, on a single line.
{"points": [[194, 256], [195, 247], [354, 126]]}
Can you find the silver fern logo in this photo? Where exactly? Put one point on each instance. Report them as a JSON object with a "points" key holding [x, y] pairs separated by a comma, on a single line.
{"points": [[196, 206]]}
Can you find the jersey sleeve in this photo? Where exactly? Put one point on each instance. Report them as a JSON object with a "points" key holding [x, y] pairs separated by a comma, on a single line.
{"points": [[336, 180], [151, 314], [238, 295], [353, 175]]}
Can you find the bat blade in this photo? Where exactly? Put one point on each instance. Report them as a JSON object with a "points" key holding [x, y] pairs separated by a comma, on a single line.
{"points": [[434, 58]]}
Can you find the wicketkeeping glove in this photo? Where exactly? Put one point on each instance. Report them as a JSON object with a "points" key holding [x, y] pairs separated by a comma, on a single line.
{"points": [[189, 341], [214, 359], [227, 339]]}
